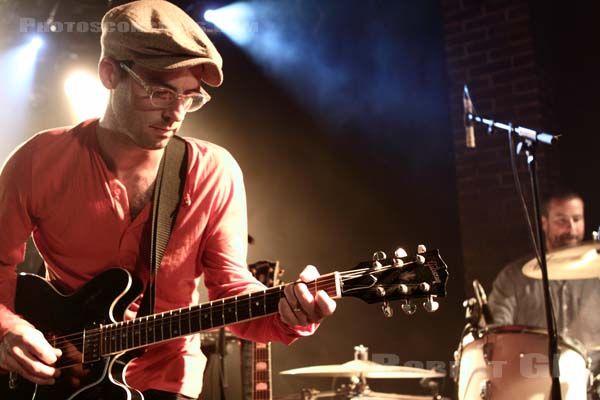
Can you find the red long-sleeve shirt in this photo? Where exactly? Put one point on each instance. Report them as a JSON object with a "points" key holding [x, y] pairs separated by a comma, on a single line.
{"points": [[57, 186]]}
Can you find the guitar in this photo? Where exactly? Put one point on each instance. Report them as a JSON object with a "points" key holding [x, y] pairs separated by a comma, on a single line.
{"points": [[256, 357], [84, 325]]}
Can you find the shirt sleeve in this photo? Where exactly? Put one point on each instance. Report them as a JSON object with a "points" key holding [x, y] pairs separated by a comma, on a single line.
{"points": [[16, 222], [224, 256], [503, 298]]}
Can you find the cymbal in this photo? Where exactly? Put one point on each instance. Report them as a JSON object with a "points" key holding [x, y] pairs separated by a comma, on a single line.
{"points": [[368, 395], [577, 262], [367, 369]]}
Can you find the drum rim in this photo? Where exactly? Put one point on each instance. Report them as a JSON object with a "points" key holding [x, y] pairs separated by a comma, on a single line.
{"points": [[563, 340]]}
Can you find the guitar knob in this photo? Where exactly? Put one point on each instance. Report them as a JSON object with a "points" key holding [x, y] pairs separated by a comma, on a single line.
{"points": [[421, 249], [377, 257], [424, 287], [387, 310], [380, 291], [398, 263], [400, 252], [420, 259], [430, 305], [408, 308]]}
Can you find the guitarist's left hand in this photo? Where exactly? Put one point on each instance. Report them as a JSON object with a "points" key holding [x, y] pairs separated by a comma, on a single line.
{"points": [[300, 307]]}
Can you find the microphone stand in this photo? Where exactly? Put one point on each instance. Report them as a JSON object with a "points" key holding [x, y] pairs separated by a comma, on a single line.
{"points": [[529, 139]]}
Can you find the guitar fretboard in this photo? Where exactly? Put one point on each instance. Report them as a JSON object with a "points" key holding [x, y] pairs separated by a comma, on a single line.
{"points": [[140, 332], [256, 374]]}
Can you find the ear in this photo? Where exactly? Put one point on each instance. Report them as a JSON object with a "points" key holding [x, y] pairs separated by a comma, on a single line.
{"points": [[109, 72]]}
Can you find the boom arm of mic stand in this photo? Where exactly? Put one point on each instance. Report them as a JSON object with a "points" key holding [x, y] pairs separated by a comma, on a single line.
{"points": [[522, 132]]}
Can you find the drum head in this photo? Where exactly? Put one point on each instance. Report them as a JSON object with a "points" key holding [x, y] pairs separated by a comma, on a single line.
{"points": [[511, 362]]}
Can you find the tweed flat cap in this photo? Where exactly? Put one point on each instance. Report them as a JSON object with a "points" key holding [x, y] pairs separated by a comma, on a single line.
{"points": [[159, 35]]}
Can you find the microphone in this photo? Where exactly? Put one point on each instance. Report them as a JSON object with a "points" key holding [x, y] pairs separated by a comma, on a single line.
{"points": [[483, 304], [468, 109]]}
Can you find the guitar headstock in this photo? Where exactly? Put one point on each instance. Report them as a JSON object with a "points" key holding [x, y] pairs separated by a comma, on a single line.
{"points": [[268, 273], [399, 277]]}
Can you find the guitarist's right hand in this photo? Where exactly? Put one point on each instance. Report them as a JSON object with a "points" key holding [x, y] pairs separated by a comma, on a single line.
{"points": [[26, 351]]}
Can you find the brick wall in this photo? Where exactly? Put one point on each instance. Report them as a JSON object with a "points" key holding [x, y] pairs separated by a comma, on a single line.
{"points": [[491, 46]]}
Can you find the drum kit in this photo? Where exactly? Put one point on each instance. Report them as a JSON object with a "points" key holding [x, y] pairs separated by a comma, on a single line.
{"points": [[511, 362], [491, 362]]}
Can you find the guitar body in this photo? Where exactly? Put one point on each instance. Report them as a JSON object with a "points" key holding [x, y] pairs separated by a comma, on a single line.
{"points": [[96, 344], [103, 300]]}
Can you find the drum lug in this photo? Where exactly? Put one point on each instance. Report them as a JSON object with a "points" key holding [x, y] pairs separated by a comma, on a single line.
{"points": [[485, 390]]}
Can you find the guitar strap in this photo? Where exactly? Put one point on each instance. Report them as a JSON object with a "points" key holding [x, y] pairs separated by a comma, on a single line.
{"points": [[168, 190]]}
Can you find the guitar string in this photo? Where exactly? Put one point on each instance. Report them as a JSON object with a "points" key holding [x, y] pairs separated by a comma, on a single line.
{"points": [[196, 311], [75, 355], [222, 302], [326, 281], [72, 352], [167, 320], [122, 327]]}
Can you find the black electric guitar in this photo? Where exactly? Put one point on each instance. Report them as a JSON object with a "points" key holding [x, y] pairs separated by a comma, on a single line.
{"points": [[256, 357], [86, 325]]}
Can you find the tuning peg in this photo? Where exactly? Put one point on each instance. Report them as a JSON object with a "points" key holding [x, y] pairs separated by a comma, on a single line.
{"points": [[387, 310], [398, 263], [377, 257], [421, 249], [402, 288], [420, 259], [424, 287], [400, 252], [430, 305], [408, 308], [380, 291]]}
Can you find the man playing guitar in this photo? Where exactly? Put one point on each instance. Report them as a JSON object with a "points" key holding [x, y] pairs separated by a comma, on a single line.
{"points": [[85, 193]]}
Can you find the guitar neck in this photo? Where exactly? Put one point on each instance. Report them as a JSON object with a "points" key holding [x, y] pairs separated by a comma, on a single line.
{"points": [[256, 374], [144, 331]]}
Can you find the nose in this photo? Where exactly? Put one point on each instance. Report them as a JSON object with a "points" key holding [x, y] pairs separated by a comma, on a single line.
{"points": [[572, 225], [177, 111]]}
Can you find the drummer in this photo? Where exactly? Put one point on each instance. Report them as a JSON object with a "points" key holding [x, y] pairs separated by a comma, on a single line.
{"points": [[519, 300]]}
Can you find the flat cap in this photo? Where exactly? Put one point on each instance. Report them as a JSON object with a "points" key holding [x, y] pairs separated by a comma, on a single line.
{"points": [[159, 35]]}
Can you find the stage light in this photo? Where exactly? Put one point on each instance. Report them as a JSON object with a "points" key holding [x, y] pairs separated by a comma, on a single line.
{"points": [[235, 20], [26, 55], [209, 15], [86, 95], [17, 70], [36, 43]]}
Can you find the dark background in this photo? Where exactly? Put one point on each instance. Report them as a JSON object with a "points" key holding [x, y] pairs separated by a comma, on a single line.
{"points": [[348, 149]]}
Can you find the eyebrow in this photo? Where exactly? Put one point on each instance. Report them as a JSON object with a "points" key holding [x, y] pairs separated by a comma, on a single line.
{"points": [[152, 81], [568, 215]]}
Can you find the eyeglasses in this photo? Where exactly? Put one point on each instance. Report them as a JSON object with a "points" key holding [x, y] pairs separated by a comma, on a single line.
{"points": [[162, 97]]}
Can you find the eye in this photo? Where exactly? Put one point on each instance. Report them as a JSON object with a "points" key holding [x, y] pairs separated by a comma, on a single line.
{"points": [[163, 94]]}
